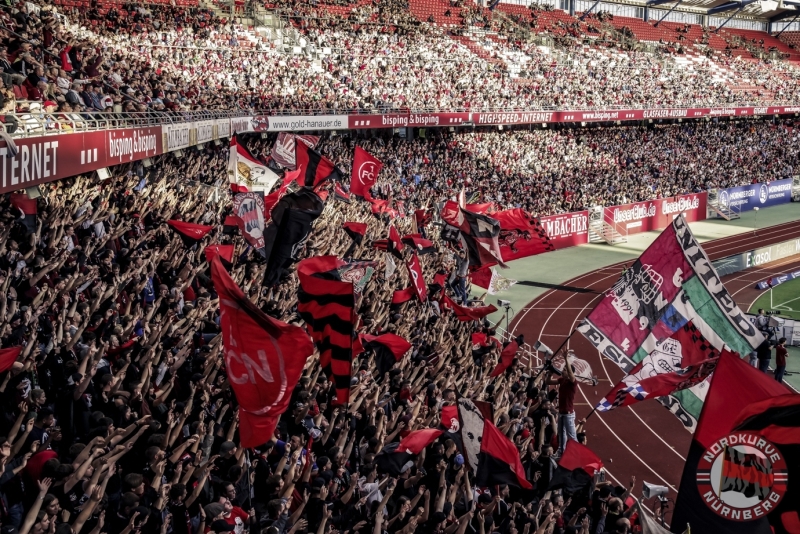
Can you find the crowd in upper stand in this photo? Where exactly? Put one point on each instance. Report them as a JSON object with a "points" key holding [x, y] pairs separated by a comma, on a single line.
{"points": [[164, 58]]}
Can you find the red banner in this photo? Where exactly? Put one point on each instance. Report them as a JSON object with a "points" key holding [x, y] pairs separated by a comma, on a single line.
{"points": [[53, 157], [568, 229], [655, 214], [403, 120]]}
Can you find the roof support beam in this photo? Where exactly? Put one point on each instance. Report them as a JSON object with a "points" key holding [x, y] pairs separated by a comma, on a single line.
{"points": [[587, 11], [679, 2], [790, 23], [728, 19]]}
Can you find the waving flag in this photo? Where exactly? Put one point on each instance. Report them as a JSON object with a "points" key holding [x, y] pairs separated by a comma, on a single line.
{"points": [[246, 173], [521, 234], [316, 168], [417, 278], [249, 211], [224, 252], [419, 243], [28, 209], [673, 278], [464, 313], [498, 461], [365, 172], [190, 233], [388, 348], [392, 244], [683, 360], [478, 234], [264, 359], [8, 357], [507, 356], [327, 305], [741, 473]]}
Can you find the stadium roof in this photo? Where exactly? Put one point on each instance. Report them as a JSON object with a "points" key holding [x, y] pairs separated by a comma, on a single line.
{"points": [[768, 10]]}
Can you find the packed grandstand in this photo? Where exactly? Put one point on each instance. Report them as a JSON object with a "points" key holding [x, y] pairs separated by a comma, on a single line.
{"points": [[245, 251]]}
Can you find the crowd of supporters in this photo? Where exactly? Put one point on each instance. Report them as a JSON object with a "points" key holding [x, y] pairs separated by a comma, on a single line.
{"points": [[166, 58], [119, 417]]}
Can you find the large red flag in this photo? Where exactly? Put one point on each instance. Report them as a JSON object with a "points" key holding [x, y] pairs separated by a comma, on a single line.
{"points": [[499, 461], [402, 295], [190, 232], [417, 278], [467, 314], [507, 356], [416, 441], [225, 253], [8, 357], [365, 172], [264, 359]]}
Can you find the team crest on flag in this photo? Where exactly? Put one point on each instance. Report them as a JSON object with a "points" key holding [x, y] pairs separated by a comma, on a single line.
{"points": [[249, 208], [742, 476], [357, 273]]}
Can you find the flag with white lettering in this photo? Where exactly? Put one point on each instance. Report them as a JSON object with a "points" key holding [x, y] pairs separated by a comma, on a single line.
{"points": [[672, 278], [365, 172], [417, 278], [264, 359]]}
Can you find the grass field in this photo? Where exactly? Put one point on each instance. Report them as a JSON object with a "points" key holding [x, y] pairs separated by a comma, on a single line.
{"points": [[785, 298]]}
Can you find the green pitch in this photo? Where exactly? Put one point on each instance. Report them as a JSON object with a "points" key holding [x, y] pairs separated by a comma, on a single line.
{"points": [[785, 298]]}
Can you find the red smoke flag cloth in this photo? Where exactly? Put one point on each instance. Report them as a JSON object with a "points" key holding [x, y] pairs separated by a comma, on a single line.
{"points": [[403, 295], [225, 253], [393, 244], [521, 235], [498, 461], [249, 210], [283, 152], [356, 232], [678, 362], [417, 278], [8, 357], [28, 209], [744, 413], [316, 168], [419, 243], [507, 356], [190, 233], [246, 172], [326, 304], [366, 169], [340, 194], [388, 348], [264, 359], [464, 313], [576, 467]]}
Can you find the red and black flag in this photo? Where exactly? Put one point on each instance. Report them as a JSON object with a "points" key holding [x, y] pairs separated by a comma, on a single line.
{"points": [[190, 233], [417, 277], [264, 359], [356, 231], [28, 209], [419, 243], [395, 458], [744, 460], [225, 253], [248, 208], [480, 233], [366, 168], [340, 194], [402, 295], [230, 226], [498, 461], [317, 168], [576, 467], [482, 345], [464, 313], [507, 356], [393, 244], [521, 234], [388, 349], [422, 217], [327, 305], [292, 218]]}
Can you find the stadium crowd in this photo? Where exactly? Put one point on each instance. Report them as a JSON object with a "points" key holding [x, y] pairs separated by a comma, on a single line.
{"points": [[119, 417], [167, 58]]}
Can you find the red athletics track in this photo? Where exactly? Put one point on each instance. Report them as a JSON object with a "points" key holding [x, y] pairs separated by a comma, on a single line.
{"points": [[645, 441]]}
